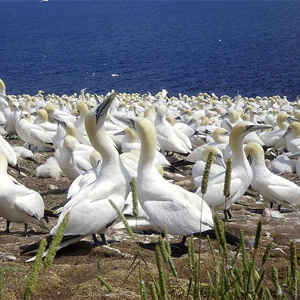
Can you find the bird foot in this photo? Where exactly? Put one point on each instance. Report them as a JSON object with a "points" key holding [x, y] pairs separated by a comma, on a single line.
{"points": [[236, 219]]}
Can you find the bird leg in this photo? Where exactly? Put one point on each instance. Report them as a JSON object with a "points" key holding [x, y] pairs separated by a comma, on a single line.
{"points": [[7, 227], [25, 230], [279, 207], [271, 204], [103, 238], [97, 242], [228, 217]]}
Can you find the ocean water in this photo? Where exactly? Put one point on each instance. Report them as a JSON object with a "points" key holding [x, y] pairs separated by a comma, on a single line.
{"points": [[138, 46]]}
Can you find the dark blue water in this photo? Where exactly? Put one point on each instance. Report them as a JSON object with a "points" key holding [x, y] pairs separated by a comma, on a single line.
{"points": [[182, 46]]}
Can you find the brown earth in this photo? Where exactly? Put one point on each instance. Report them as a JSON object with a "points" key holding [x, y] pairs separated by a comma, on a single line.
{"points": [[74, 273]]}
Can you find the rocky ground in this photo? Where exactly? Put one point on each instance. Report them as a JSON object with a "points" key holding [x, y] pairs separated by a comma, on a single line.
{"points": [[74, 273]]}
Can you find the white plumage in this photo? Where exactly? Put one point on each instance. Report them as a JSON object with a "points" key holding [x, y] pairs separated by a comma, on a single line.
{"points": [[182, 212], [18, 203], [272, 187], [241, 174], [90, 211]]}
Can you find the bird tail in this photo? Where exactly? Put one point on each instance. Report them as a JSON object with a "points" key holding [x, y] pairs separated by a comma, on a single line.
{"points": [[182, 163], [33, 248], [230, 238]]}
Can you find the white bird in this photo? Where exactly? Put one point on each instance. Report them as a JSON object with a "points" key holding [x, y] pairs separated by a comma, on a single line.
{"points": [[49, 169], [32, 134], [42, 121], [130, 142], [8, 152], [180, 126], [90, 211], [217, 166], [65, 128], [140, 223], [73, 160], [241, 174], [18, 203], [272, 187], [221, 139], [182, 212], [297, 163], [56, 113], [22, 152], [79, 124], [86, 177], [292, 135], [167, 137], [72, 156], [274, 138], [230, 119], [11, 118], [282, 164]]}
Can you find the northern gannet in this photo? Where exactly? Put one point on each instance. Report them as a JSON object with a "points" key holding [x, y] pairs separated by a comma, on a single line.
{"points": [[90, 211], [86, 177], [79, 124], [56, 113], [8, 152], [282, 164], [49, 169], [272, 187], [274, 137], [182, 212], [292, 135], [217, 166], [73, 160], [18, 203], [241, 174], [167, 137], [32, 134], [42, 121]]}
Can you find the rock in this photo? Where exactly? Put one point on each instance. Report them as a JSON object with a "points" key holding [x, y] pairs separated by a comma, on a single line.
{"points": [[270, 213]]}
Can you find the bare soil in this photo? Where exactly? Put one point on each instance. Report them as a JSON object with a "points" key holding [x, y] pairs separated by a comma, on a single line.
{"points": [[74, 273]]}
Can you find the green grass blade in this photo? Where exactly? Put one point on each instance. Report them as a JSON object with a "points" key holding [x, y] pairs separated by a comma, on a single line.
{"points": [[56, 242], [35, 270]]}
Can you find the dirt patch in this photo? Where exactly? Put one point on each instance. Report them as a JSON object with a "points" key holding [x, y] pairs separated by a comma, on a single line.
{"points": [[74, 273]]}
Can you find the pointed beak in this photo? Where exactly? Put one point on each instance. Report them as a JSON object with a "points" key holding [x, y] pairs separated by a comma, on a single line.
{"points": [[102, 109], [220, 160], [291, 119], [228, 124], [60, 122], [257, 127], [287, 132], [122, 132], [127, 121], [294, 155]]}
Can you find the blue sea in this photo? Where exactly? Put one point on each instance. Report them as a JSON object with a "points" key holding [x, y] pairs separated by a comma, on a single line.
{"points": [[184, 47]]}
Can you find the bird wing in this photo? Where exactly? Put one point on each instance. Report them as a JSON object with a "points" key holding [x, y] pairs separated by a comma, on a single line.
{"points": [[89, 217], [41, 135], [215, 190], [8, 151], [30, 203], [286, 192]]}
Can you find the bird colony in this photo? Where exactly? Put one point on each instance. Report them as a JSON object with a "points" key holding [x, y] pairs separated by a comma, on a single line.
{"points": [[101, 142]]}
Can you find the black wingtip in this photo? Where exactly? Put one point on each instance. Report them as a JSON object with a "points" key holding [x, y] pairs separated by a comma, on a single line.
{"points": [[33, 248]]}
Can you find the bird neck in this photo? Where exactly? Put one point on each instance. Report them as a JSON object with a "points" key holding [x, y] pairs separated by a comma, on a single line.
{"points": [[238, 154], [147, 154]]}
